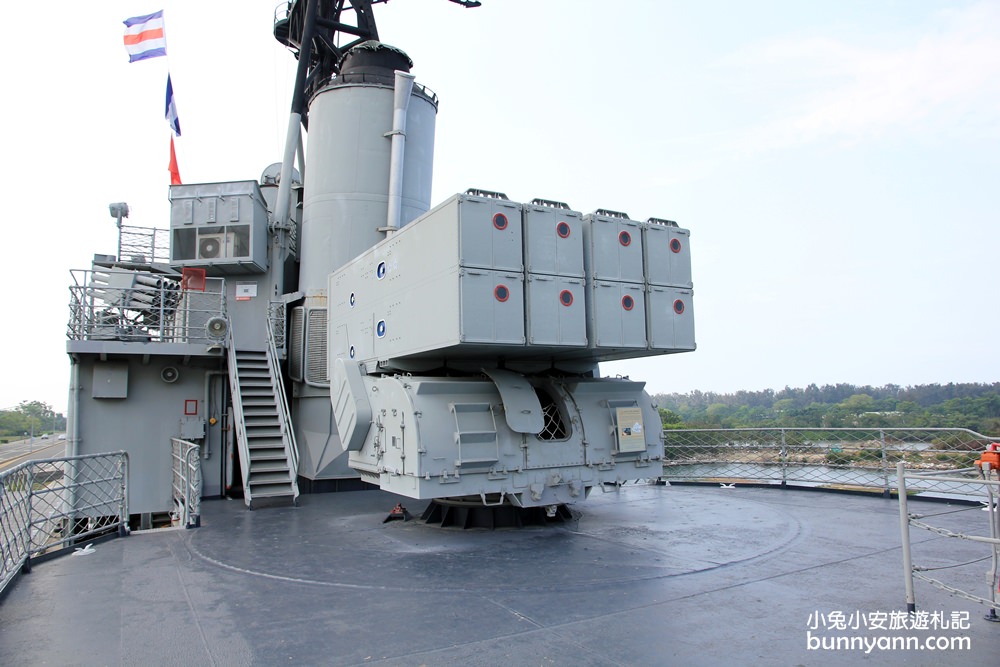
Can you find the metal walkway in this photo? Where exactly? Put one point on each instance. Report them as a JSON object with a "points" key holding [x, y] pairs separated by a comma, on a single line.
{"points": [[676, 575]]}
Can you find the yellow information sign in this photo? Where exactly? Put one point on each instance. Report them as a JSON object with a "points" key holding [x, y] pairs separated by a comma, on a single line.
{"points": [[630, 432]]}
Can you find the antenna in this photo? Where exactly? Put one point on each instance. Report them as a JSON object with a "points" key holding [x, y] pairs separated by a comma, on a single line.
{"points": [[310, 29]]}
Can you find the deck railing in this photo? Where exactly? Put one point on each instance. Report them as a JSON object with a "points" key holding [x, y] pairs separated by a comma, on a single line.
{"points": [[832, 458], [49, 504], [186, 482], [276, 319], [143, 245], [935, 522], [138, 306]]}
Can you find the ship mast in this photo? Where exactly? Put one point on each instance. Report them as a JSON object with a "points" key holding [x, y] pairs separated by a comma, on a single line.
{"points": [[311, 29]]}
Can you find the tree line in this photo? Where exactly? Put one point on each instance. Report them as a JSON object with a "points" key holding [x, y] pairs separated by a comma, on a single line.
{"points": [[29, 417], [973, 406]]}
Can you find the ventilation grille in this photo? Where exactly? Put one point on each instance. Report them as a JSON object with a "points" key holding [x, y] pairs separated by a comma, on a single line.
{"points": [[316, 368], [295, 343]]}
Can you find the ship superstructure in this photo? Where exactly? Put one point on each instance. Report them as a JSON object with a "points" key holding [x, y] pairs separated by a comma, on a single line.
{"points": [[325, 326]]}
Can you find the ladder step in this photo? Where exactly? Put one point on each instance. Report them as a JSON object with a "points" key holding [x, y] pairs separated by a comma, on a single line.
{"points": [[266, 443], [269, 419], [267, 455], [268, 461], [269, 476], [257, 390], [255, 411], [256, 433], [268, 466], [255, 396], [255, 382], [273, 491], [271, 463]]}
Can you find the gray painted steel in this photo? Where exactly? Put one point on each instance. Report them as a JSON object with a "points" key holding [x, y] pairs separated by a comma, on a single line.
{"points": [[143, 422], [451, 437], [666, 255], [347, 182], [647, 576], [553, 241], [669, 329], [496, 311], [219, 226], [613, 248]]}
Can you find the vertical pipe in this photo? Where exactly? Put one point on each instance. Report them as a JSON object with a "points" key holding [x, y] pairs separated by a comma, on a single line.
{"points": [[292, 137], [207, 449], [401, 101], [73, 447], [302, 159], [73, 425], [904, 528], [293, 134]]}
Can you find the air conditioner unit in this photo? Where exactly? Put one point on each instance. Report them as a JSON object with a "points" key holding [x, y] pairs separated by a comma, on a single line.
{"points": [[215, 246]]}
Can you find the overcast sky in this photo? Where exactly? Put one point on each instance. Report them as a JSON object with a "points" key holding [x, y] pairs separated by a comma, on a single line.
{"points": [[836, 163]]}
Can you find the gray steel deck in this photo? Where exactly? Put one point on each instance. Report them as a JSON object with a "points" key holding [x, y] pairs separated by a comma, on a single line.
{"points": [[676, 575]]}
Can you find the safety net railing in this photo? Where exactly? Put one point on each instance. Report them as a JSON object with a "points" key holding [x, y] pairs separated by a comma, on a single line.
{"points": [[833, 458], [276, 318], [143, 245], [186, 482], [52, 504], [972, 553], [140, 306]]}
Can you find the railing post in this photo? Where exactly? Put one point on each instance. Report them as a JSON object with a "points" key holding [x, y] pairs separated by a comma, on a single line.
{"points": [[784, 461], [886, 491], [994, 510], [123, 519], [904, 528], [193, 494], [30, 481]]}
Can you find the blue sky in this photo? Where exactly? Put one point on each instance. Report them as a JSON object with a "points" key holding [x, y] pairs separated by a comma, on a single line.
{"points": [[836, 163]]}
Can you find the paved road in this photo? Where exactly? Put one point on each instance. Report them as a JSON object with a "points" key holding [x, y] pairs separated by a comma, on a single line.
{"points": [[20, 451]]}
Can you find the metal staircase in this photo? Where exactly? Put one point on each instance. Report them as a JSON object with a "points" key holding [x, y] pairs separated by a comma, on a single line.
{"points": [[264, 435]]}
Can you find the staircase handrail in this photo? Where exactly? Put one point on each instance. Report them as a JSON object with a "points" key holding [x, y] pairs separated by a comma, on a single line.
{"points": [[241, 434], [282, 401]]}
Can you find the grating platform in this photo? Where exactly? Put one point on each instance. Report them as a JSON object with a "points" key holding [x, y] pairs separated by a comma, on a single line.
{"points": [[640, 576]]}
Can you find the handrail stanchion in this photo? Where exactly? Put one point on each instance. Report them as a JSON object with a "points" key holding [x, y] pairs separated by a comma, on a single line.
{"points": [[904, 527], [30, 482], [993, 506]]}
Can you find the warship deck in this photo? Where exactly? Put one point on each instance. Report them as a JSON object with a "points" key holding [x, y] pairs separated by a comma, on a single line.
{"points": [[676, 575]]}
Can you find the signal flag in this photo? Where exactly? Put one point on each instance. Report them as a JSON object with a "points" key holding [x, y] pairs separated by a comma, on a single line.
{"points": [[175, 173], [144, 37], [171, 113]]}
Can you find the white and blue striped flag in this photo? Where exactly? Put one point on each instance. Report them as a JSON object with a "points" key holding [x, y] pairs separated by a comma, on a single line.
{"points": [[171, 114], [144, 37]]}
